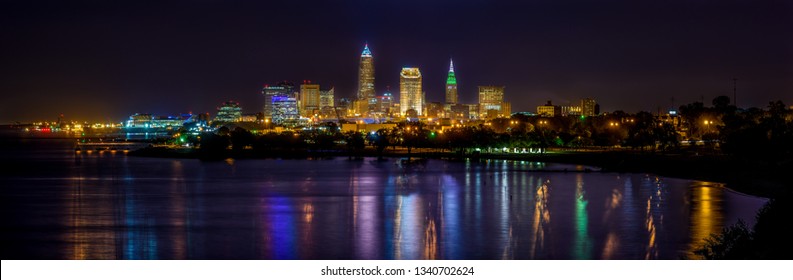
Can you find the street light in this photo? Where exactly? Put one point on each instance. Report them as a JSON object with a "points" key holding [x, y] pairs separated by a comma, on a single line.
{"points": [[707, 124]]}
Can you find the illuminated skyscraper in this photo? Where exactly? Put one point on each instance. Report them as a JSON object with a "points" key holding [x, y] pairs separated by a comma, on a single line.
{"points": [[410, 94], [326, 98], [588, 107], [269, 91], [309, 99], [451, 85], [490, 98], [284, 108], [366, 75], [326, 103]]}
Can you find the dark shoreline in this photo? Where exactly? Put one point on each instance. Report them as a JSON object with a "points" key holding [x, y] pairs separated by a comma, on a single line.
{"points": [[753, 178]]}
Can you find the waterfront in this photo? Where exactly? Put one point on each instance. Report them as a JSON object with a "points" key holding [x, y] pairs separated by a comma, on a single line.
{"points": [[62, 205]]}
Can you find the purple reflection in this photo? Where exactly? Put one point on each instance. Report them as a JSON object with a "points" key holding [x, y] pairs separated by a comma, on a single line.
{"points": [[279, 228]]}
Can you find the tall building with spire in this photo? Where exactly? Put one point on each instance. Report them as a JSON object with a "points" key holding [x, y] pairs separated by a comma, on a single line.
{"points": [[451, 85], [411, 95], [366, 75]]}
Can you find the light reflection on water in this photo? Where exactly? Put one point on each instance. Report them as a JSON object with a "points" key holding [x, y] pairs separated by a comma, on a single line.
{"points": [[140, 208]]}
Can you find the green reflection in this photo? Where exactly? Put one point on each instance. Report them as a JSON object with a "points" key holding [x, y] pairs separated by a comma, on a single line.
{"points": [[582, 248]]}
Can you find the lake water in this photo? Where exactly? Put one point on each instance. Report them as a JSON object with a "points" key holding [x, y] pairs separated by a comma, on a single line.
{"points": [[57, 204]]}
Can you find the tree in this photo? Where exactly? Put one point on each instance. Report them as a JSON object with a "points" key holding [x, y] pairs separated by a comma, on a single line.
{"points": [[721, 102], [754, 134], [382, 139], [355, 142], [213, 146], [240, 138], [640, 131], [768, 239], [691, 114], [667, 136]]}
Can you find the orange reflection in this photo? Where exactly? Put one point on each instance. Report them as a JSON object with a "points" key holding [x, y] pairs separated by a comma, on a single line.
{"points": [[542, 219], [308, 212], [430, 241], [613, 203], [706, 217], [612, 244], [91, 225], [651, 252]]}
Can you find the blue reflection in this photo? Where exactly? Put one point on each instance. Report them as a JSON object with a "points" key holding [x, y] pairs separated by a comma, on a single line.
{"points": [[451, 227], [390, 205], [141, 240], [282, 229]]}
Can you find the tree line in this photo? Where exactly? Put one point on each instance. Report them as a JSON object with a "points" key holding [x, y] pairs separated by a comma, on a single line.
{"points": [[753, 133]]}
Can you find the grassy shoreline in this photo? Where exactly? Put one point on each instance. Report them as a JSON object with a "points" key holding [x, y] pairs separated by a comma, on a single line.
{"points": [[753, 178]]}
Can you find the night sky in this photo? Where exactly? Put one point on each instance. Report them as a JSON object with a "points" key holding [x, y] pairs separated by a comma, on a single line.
{"points": [[104, 60]]}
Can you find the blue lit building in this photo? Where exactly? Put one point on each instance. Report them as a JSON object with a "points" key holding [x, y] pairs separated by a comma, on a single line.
{"points": [[284, 107], [284, 88]]}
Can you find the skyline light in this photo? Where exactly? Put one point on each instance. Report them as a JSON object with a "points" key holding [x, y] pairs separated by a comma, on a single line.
{"points": [[100, 61]]}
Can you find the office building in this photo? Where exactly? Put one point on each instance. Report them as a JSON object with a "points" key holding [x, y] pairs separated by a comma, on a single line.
{"points": [[434, 110], [411, 95], [344, 107], [284, 109], [549, 110], [589, 107], [490, 98], [571, 110], [284, 88], [506, 110], [384, 103], [327, 103], [309, 99], [459, 112], [229, 111]]}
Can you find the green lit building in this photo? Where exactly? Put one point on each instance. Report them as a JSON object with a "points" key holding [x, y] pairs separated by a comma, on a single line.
{"points": [[451, 86], [229, 111]]}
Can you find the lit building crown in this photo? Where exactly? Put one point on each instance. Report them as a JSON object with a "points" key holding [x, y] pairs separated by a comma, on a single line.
{"points": [[366, 52], [451, 79]]}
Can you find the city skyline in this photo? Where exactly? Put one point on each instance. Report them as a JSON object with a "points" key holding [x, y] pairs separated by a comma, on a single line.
{"points": [[107, 61]]}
